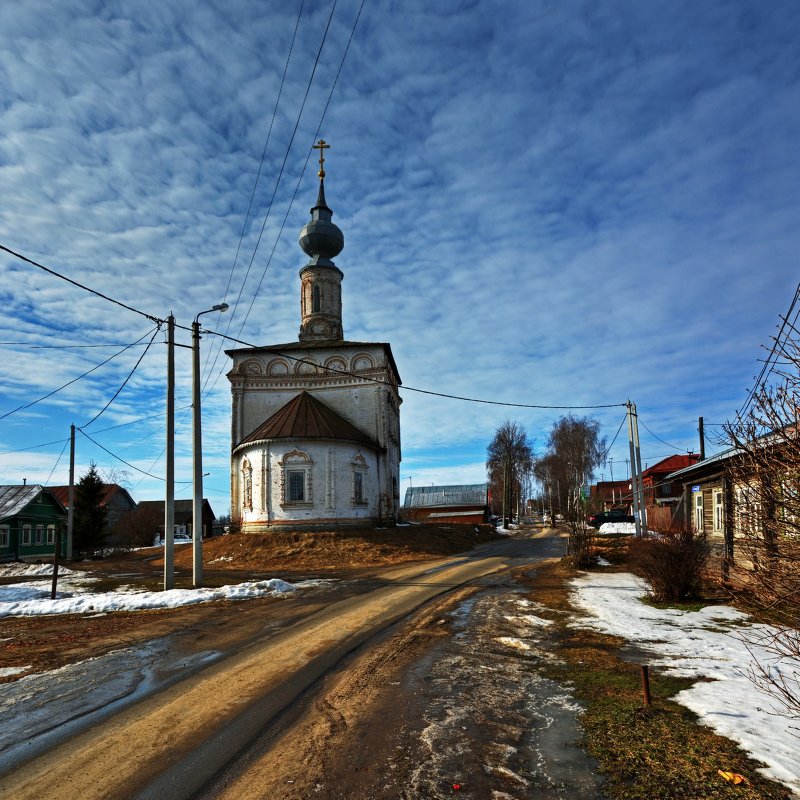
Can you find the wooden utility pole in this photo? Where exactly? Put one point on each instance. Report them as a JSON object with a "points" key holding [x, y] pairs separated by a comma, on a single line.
{"points": [[701, 431]]}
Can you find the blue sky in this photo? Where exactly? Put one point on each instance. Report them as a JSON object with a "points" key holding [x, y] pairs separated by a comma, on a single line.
{"points": [[551, 203]]}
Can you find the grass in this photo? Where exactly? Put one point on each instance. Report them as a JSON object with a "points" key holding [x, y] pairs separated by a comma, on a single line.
{"points": [[658, 752]]}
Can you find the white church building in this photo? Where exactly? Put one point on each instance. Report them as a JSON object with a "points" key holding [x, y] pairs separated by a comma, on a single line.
{"points": [[315, 424]]}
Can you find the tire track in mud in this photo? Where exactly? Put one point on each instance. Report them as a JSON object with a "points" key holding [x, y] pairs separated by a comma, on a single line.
{"points": [[452, 703]]}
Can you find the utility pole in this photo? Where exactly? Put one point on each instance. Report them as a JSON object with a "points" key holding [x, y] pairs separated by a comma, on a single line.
{"points": [[169, 499], [71, 493], [638, 472], [197, 503], [635, 494], [701, 431]]}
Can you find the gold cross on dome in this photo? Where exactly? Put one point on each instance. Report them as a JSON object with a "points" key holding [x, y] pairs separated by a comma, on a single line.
{"points": [[322, 146]]}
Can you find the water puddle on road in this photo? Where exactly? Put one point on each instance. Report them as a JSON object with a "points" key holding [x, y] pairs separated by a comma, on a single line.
{"points": [[491, 725], [40, 709]]}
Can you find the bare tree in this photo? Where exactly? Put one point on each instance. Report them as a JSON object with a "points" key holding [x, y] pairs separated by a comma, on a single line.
{"points": [[509, 461], [574, 450], [764, 494]]}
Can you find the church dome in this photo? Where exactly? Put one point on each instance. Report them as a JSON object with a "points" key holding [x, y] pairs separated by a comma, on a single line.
{"points": [[320, 238]]}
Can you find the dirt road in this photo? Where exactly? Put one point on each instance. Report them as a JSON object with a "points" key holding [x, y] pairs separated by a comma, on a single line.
{"points": [[258, 722]]}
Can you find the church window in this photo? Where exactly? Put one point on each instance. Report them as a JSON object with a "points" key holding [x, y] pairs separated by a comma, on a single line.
{"points": [[297, 485], [247, 485], [316, 299], [296, 488], [358, 488]]}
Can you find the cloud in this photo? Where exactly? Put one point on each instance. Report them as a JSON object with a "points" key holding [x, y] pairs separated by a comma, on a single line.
{"points": [[542, 204]]}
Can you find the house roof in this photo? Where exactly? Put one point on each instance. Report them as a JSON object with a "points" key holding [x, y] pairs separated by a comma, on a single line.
{"points": [[454, 495], [306, 417], [672, 463], [702, 466], [182, 507], [14, 498], [109, 489]]}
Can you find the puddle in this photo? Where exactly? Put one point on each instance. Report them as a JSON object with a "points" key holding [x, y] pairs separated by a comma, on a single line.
{"points": [[489, 721], [38, 710]]}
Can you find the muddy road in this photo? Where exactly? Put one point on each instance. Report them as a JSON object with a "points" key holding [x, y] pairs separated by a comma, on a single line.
{"points": [[421, 684]]}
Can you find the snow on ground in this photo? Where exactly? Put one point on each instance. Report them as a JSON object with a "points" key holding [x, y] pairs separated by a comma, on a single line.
{"points": [[30, 570], [608, 528], [74, 595], [706, 644]]}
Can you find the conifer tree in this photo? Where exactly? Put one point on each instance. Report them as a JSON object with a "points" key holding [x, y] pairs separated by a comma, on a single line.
{"points": [[90, 516]]}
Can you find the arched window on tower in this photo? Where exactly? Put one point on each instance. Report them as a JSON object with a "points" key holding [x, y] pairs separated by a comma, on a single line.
{"points": [[316, 299]]}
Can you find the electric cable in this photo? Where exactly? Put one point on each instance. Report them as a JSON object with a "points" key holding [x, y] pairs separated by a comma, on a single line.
{"points": [[79, 285], [766, 369], [66, 442], [291, 201], [261, 163], [280, 174], [382, 382], [674, 447], [74, 380], [130, 375], [126, 463]]}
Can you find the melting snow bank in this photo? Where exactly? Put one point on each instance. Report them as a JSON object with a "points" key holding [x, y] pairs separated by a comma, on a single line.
{"points": [[31, 570], [709, 644], [33, 598]]}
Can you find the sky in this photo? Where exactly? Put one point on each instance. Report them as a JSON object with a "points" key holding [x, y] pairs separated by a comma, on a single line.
{"points": [[544, 203], [716, 645]]}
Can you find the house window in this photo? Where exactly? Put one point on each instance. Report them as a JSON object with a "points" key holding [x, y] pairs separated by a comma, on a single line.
{"points": [[718, 517], [5, 536], [698, 512], [40, 534], [51, 534], [297, 485], [666, 489], [26, 534]]}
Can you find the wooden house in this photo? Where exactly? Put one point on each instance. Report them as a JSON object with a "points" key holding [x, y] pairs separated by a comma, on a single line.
{"points": [[31, 517]]}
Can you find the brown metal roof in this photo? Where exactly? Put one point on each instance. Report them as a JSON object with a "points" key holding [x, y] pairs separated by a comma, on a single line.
{"points": [[305, 417]]}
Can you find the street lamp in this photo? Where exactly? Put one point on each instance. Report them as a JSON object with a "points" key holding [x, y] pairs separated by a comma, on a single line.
{"points": [[197, 451]]}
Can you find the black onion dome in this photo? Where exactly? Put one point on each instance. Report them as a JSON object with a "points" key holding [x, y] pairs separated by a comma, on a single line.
{"points": [[320, 238]]}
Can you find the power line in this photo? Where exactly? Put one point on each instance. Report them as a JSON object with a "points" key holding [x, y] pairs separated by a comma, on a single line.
{"points": [[74, 380], [127, 463], [293, 198], [278, 180], [79, 285], [261, 164], [608, 449], [130, 375], [276, 351], [57, 462], [766, 369], [673, 446], [60, 346]]}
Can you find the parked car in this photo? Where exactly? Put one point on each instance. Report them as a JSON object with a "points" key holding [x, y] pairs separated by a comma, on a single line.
{"points": [[614, 515], [178, 538]]}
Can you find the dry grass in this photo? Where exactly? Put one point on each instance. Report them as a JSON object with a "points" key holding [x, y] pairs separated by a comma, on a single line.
{"points": [[658, 752]]}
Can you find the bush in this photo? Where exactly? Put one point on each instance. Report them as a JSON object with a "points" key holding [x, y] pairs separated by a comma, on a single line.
{"points": [[672, 564]]}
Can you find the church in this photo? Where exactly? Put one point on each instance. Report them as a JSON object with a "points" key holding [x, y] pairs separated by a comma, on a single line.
{"points": [[315, 424]]}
